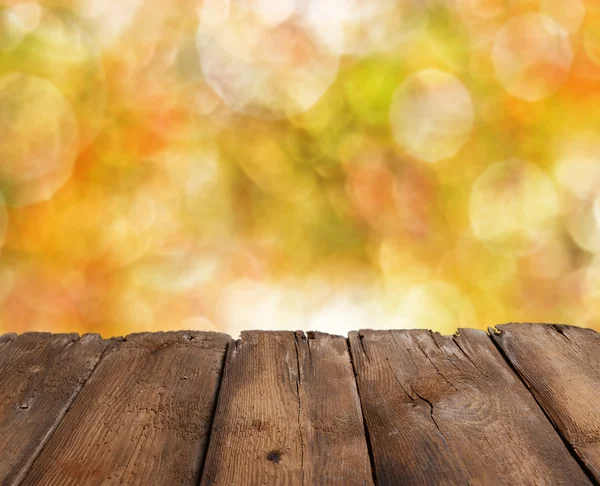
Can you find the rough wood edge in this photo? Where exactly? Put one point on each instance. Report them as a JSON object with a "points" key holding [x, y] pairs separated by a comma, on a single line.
{"points": [[496, 329], [558, 327], [6, 338]]}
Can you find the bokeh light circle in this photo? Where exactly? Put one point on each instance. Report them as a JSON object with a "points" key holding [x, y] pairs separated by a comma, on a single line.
{"points": [[262, 70], [59, 48], [29, 14], [12, 30], [432, 115], [16, 22], [40, 139], [532, 56], [356, 27], [568, 13], [576, 169], [578, 173], [512, 205], [109, 18]]}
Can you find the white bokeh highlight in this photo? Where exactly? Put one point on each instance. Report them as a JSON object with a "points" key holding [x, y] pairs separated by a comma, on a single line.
{"points": [[532, 56], [260, 67], [512, 205], [432, 115], [40, 139]]}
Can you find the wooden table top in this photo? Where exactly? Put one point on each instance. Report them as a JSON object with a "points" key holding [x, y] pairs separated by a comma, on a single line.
{"points": [[520, 405]]}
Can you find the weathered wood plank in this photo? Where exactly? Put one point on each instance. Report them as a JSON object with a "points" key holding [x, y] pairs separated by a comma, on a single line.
{"points": [[333, 437], [449, 410], [143, 417], [40, 375], [561, 367], [288, 414]]}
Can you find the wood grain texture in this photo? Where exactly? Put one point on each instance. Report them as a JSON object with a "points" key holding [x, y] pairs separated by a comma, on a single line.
{"points": [[142, 418], [449, 410], [40, 375], [561, 367], [288, 414]]}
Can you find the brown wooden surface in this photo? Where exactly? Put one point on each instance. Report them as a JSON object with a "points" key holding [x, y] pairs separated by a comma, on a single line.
{"points": [[40, 375], [143, 417], [561, 366], [288, 414], [279, 408], [449, 410]]}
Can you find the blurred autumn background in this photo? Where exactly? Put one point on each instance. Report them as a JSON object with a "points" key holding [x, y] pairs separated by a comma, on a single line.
{"points": [[298, 164]]}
